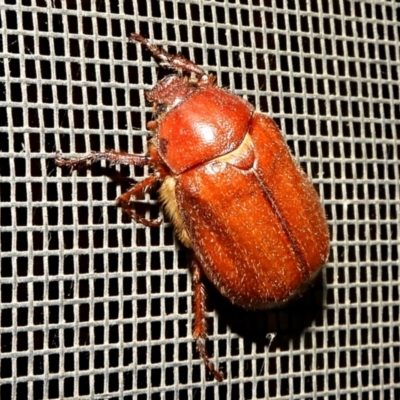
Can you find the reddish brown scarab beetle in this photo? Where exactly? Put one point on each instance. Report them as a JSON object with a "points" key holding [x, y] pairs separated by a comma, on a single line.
{"points": [[232, 190]]}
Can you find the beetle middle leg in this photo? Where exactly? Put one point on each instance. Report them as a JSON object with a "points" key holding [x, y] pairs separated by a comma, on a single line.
{"points": [[200, 323], [124, 202]]}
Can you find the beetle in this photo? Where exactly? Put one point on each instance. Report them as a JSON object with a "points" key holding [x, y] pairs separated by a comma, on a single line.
{"points": [[232, 190]]}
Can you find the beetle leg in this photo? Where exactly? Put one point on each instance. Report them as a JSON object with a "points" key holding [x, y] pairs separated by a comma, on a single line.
{"points": [[174, 61], [121, 157], [200, 323], [114, 157], [124, 202]]}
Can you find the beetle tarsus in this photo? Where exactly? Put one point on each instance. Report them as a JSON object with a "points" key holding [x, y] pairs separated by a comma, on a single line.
{"points": [[200, 323], [218, 375], [174, 61]]}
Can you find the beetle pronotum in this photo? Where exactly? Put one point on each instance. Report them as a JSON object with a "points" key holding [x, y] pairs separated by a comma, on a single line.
{"points": [[232, 190]]}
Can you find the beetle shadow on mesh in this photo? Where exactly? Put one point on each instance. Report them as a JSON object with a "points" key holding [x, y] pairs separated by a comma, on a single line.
{"points": [[273, 328]]}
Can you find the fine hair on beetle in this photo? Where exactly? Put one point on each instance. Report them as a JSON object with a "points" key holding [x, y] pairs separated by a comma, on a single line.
{"points": [[235, 195]]}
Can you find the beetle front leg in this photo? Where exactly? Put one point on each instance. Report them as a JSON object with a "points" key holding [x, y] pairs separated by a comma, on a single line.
{"points": [[114, 157], [200, 323], [124, 201], [174, 61]]}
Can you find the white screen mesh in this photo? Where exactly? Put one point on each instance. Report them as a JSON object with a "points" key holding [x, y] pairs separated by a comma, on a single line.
{"points": [[94, 306]]}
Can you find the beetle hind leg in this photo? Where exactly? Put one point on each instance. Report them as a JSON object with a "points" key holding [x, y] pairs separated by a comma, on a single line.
{"points": [[200, 324]]}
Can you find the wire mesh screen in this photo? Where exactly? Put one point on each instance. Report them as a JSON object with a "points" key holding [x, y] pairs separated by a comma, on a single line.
{"points": [[96, 306]]}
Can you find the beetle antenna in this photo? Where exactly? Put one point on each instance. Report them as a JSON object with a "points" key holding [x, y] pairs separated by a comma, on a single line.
{"points": [[176, 62]]}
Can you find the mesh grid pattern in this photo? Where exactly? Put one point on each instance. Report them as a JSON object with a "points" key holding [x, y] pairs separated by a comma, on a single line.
{"points": [[93, 306]]}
